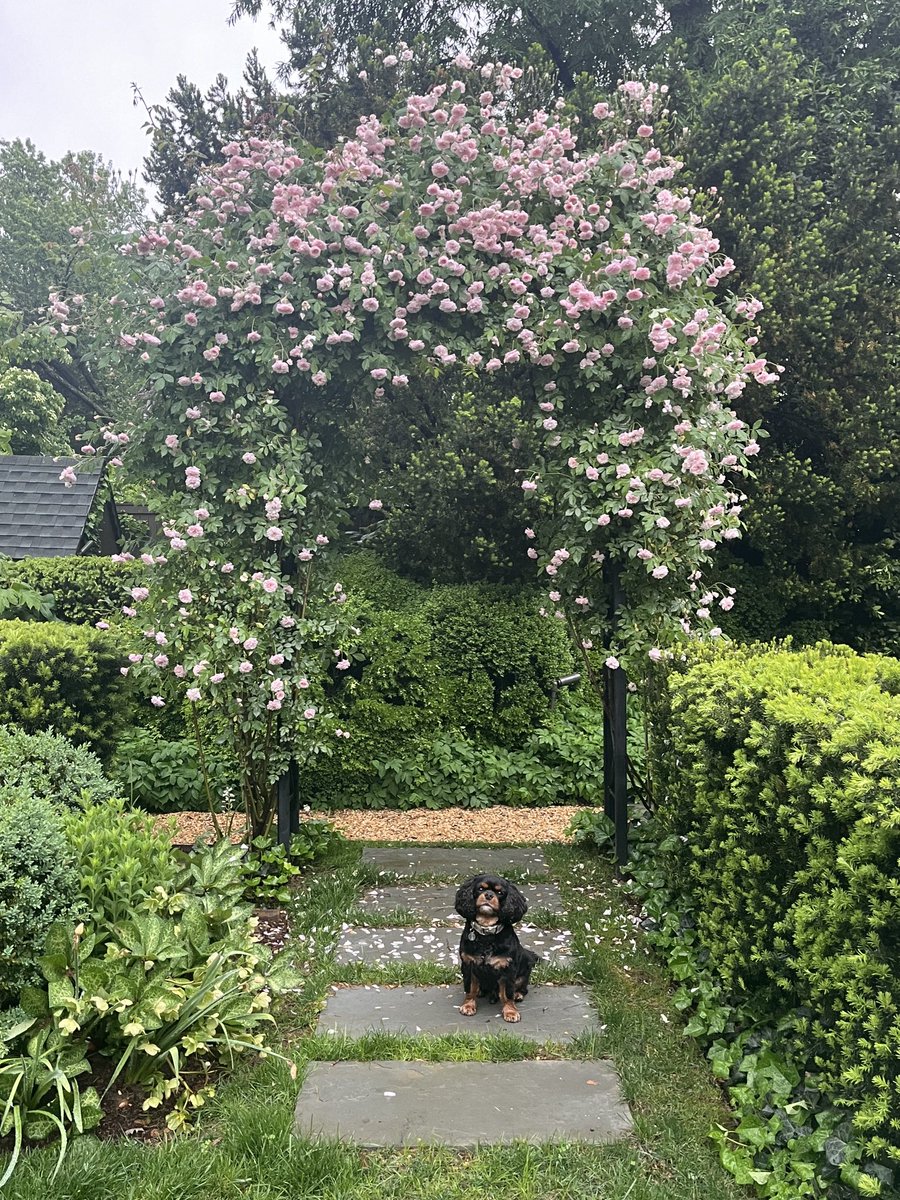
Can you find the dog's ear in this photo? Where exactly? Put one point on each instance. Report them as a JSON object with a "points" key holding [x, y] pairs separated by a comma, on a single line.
{"points": [[515, 906], [465, 899]]}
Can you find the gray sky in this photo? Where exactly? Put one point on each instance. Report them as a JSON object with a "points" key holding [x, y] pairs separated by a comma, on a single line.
{"points": [[66, 67]]}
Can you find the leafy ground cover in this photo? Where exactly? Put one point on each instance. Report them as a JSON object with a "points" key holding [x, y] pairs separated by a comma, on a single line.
{"points": [[241, 1144]]}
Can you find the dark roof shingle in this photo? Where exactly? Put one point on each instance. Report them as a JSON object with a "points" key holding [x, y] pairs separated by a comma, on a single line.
{"points": [[39, 516]]}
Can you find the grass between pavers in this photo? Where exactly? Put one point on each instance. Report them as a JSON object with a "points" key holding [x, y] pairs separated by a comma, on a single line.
{"points": [[243, 1147]]}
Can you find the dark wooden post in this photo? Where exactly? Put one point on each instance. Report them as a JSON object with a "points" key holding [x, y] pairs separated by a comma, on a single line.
{"points": [[615, 730], [288, 812], [619, 690], [609, 806]]}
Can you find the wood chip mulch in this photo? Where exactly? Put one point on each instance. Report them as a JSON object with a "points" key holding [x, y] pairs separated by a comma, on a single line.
{"points": [[498, 823]]}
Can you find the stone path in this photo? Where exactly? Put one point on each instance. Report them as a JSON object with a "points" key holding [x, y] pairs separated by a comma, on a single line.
{"points": [[549, 1013], [464, 1104], [437, 945], [435, 903]]}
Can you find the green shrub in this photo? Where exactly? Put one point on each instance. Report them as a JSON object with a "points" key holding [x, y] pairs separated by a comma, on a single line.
{"points": [[84, 589], [559, 764], [48, 766], [270, 867], [498, 659], [160, 977], [63, 678], [37, 886], [122, 857], [447, 700], [365, 577], [778, 781], [21, 602], [163, 775]]}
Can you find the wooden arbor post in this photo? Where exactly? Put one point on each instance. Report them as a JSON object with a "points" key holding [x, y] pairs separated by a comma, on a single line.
{"points": [[615, 730], [288, 807]]}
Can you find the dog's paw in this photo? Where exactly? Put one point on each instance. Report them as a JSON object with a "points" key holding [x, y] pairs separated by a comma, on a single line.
{"points": [[511, 1013], [468, 1009]]}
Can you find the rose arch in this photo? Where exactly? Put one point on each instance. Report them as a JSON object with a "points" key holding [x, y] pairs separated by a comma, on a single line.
{"points": [[454, 240]]}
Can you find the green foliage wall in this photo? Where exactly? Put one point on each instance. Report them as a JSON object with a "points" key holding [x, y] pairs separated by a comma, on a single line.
{"points": [[447, 701], [791, 112], [65, 679], [85, 589], [778, 773]]}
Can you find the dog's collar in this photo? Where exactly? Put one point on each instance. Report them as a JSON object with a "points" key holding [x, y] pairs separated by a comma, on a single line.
{"points": [[483, 930]]}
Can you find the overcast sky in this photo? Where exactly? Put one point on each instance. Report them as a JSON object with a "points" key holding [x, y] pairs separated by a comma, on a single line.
{"points": [[66, 67]]}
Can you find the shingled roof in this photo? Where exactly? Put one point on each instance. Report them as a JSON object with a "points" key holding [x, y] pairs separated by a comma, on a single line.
{"points": [[39, 516]]}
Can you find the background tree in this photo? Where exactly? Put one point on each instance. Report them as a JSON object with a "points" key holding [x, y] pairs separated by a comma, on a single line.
{"points": [[445, 462], [792, 112], [60, 223]]}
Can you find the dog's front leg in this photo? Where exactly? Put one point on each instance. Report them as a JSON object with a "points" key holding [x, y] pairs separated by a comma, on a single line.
{"points": [[508, 1012], [470, 981]]}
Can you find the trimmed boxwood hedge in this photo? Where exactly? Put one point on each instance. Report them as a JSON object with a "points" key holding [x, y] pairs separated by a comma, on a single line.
{"points": [[778, 773], [38, 884], [64, 678]]}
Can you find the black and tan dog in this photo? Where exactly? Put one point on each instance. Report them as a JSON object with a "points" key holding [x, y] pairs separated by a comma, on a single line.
{"points": [[494, 962]]}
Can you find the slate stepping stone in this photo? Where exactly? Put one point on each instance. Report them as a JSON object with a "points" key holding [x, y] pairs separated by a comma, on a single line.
{"points": [[453, 862], [434, 944], [549, 1014], [436, 903], [462, 1104]]}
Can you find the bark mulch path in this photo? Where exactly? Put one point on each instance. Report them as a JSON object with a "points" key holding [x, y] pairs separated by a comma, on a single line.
{"points": [[498, 824]]}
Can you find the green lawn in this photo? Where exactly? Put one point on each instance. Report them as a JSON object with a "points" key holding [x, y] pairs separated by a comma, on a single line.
{"points": [[242, 1146]]}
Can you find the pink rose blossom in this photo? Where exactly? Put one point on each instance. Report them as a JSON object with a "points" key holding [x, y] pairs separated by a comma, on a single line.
{"points": [[695, 463], [194, 694]]}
